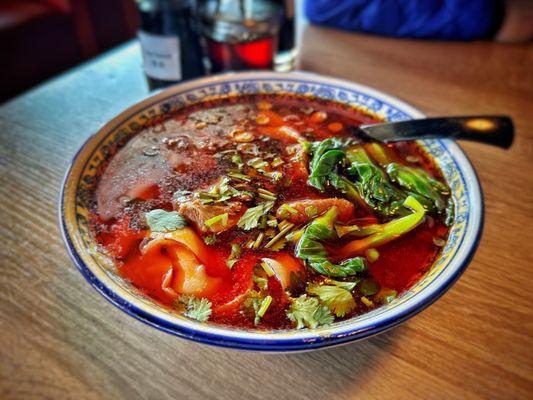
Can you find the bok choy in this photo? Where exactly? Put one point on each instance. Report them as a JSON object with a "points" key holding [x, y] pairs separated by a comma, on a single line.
{"points": [[431, 193], [386, 232], [311, 249], [373, 183]]}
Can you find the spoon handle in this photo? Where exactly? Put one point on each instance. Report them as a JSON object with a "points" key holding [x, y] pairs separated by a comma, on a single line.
{"points": [[494, 130]]}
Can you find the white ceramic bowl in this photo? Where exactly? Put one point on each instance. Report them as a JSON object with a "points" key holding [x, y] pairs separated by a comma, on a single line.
{"points": [[100, 272]]}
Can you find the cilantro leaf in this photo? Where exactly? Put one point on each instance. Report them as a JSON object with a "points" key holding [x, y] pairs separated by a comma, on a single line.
{"points": [[339, 300], [195, 308], [164, 221], [306, 311], [250, 219], [221, 192]]}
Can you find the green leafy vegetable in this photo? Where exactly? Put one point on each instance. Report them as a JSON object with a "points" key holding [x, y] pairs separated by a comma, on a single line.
{"points": [[428, 191], [311, 249], [311, 211], [265, 194], [260, 281], [307, 311], [380, 153], [295, 235], [164, 221], [372, 183], [350, 170], [350, 266], [327, 154], [357, 231], [194, 308], [250, 219], [240, 177], [339, 300], [257, 163], [347, 188], [286, 210], [386, 232], [324, 167], [276, 162]]}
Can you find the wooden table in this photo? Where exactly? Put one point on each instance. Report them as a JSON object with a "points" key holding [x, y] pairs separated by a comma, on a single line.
{"points": [[60, 339]]}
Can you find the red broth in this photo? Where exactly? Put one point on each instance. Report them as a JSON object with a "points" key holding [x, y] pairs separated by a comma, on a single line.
{"points": [[258, 145]]}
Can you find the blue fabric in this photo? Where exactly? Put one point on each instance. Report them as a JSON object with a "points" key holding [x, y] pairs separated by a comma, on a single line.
{"points": [[431, 19]]}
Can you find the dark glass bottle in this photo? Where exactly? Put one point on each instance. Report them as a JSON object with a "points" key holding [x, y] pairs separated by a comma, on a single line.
{"points": [[286, 55], [287, 29], [170, 42]]}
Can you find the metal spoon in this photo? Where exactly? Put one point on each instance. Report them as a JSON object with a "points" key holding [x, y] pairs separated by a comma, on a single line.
{"points": [[494, 130]]}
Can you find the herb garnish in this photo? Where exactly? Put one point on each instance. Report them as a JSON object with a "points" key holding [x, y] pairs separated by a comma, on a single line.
{"points": [[256, 305], [250, 219], [194, 308], [234, 256], [164, 221], [307, 311], [339, 300]]}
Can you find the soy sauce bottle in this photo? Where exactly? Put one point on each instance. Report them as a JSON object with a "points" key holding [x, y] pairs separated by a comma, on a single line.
{"points": [[170, 42]]}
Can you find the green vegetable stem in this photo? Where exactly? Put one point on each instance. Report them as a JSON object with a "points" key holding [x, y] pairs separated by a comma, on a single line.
{"points": [[386, 232]]}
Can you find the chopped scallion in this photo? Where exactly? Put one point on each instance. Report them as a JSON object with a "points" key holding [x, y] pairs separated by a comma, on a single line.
{"points": [[267, 192], [238, 176], [272, 222], [266, 264], [264, 306], [267, 196], [258, 240], [222, 218], [281, 233]]}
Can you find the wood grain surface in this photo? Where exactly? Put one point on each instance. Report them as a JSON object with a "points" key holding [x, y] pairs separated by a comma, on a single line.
{"points": [[60, 339]]}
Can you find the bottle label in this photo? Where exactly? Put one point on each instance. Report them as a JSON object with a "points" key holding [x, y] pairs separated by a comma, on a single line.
{"points": [[161, 56]]}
